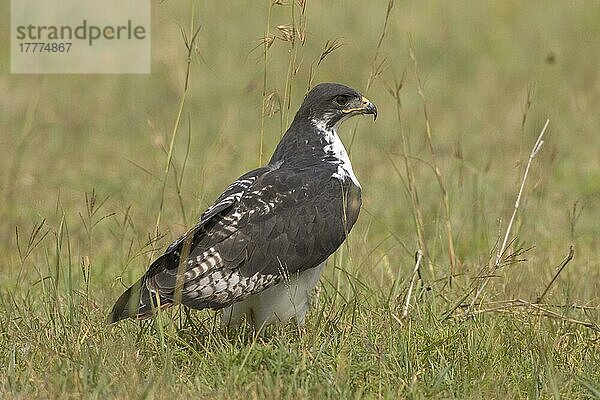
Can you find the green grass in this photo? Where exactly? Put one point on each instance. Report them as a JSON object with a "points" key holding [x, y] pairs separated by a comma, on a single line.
{"points": [[84, 166]]}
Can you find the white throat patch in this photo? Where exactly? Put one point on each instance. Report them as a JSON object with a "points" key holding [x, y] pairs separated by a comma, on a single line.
{"points": [[335, 148]]}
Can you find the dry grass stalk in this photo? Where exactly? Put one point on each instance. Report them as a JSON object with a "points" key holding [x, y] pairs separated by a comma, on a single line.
{"points": [[190, 44], [512, 302], [413, 279], [534, 151], [377, 66], [267, 41], [289, 32], [501, 250], [527, 105], [330, 47], [411, 185], [436, 169], [562, 266], [510, 306]]}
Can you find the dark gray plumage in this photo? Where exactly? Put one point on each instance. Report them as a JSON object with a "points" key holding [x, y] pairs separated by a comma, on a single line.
{"points": [[270, 231]]}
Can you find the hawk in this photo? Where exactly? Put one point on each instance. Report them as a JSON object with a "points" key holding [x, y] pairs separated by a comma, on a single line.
{"points": [[259, 250]]}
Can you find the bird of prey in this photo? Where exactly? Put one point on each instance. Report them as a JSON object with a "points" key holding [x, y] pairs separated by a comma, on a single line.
{"points": [[259, 250]]}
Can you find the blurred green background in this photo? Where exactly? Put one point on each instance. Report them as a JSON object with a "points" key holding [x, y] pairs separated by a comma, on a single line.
{"points": [[492, 72], [67, 135]]}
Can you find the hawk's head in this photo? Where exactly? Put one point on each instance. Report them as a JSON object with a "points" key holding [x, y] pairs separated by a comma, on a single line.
{"points": [[329, 104]]}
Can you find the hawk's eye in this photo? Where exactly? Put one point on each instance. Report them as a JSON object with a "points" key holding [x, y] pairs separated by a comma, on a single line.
{"points": [[342, 100]]}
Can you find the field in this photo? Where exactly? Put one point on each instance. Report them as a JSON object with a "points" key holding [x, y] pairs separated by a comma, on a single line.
{"points": [[94, 164]]}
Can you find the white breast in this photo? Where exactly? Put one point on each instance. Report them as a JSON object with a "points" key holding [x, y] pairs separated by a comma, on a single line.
{"points": [[335, 148]]}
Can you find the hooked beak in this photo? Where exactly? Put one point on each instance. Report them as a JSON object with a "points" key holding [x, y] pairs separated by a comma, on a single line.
{"points": [[364, 107]]}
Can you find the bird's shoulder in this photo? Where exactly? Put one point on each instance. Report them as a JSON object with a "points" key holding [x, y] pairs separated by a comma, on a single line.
{"points": [[289, 185], [233, 193]]}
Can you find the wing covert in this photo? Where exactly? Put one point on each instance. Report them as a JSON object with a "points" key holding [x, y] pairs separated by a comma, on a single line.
{"points": [[283, 222]]}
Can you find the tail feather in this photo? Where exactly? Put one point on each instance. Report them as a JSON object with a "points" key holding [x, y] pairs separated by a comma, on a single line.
{"points": [[135, 302]]}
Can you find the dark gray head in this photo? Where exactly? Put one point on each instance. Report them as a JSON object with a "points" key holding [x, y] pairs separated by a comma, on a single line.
{"points": [[324, 108], [329, 104]]}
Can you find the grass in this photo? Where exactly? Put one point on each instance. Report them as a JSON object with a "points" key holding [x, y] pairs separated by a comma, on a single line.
{"points": [[463, 90]]}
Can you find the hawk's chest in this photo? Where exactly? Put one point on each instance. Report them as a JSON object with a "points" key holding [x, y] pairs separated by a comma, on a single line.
{"points": [[335, 153]]}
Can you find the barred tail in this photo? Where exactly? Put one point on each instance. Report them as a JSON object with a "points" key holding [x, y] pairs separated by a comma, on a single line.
{"points": [[135, 302]]}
